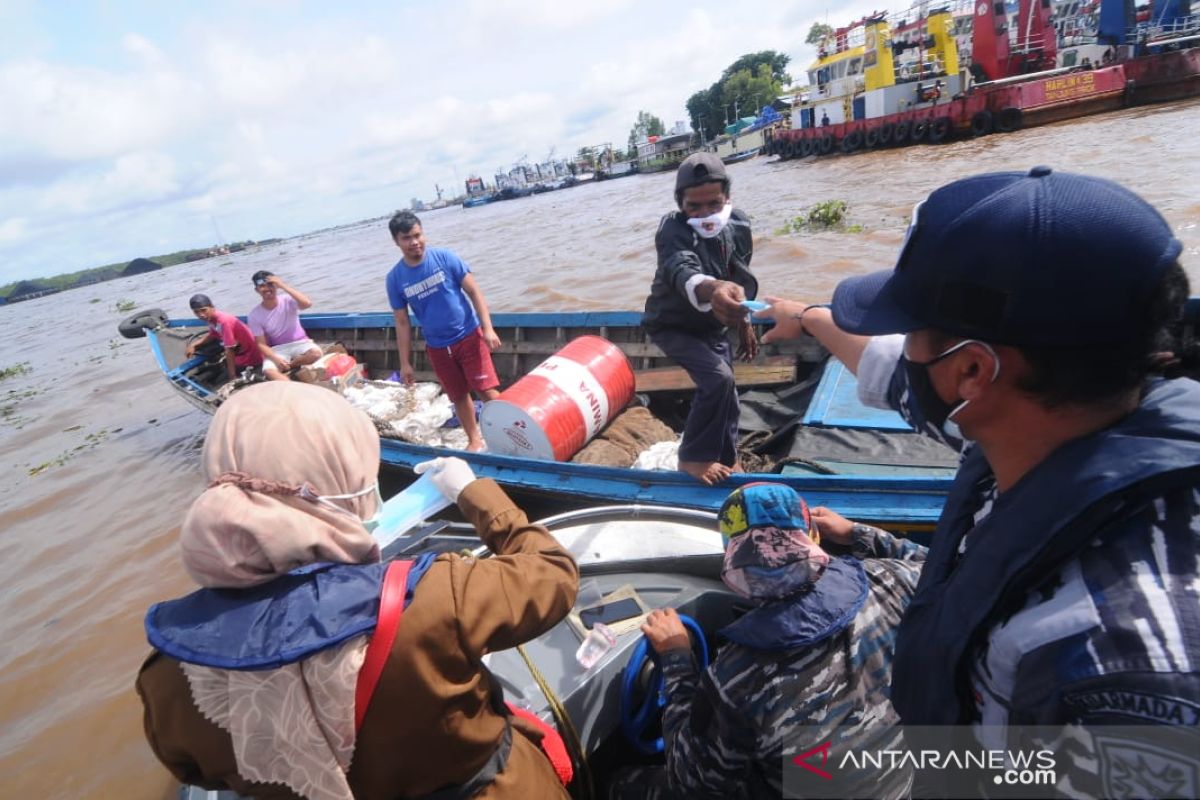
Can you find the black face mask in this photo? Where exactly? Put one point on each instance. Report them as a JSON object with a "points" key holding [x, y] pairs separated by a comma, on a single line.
{"points": [[928, 412]]}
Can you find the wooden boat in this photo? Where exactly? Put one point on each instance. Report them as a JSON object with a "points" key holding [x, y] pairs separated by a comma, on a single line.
{"points": [[745, 155], [864, 463]]}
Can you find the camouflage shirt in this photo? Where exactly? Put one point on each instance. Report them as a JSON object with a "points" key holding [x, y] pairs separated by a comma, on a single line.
{"points": [[733, 730]]}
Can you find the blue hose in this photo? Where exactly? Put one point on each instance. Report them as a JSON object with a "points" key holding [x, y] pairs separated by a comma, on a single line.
{"points": [[634, 721]]}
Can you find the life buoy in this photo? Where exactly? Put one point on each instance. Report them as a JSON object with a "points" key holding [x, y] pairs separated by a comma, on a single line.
{"points": [[826, 144], [886, 132], [871, 138], [981, 123], [1008, 120], [939, 129], [900, 134], [919, 129], [134, 326]]}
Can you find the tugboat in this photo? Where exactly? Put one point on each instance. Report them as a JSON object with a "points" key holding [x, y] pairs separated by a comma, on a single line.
{"points": [[872, 86]]}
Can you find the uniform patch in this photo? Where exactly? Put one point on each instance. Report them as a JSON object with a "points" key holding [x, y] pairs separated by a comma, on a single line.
{"points": [[1137, 705], [1136, 768]]}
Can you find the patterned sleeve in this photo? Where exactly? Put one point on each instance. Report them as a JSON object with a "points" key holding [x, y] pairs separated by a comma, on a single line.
{"points": [[709, 746], [871, 542]]}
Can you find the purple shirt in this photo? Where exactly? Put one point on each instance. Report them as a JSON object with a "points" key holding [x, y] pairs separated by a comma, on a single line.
{"points": [[281, 324]]}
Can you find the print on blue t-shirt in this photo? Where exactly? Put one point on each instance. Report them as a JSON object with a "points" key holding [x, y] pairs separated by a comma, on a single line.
{"points": [[433, 291]]}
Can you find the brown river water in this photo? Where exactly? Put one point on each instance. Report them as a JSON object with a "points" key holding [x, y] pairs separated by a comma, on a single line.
{"points": [[101, 459]]}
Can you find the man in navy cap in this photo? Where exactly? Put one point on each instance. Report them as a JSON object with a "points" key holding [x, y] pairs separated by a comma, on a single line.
{"points": [[1061, 584]]}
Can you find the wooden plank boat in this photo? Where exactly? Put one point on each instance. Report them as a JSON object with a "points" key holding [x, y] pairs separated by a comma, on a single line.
{"points": [[866, 464]]}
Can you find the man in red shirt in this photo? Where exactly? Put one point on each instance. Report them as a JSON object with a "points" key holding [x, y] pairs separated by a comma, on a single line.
{"points": [[241, 349]]}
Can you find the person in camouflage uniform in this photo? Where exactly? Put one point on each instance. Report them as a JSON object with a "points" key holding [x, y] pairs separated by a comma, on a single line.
{"points": [[809, 664]]}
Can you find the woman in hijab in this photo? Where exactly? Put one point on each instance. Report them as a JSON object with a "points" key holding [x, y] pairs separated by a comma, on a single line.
{"points": [[278, 679]]}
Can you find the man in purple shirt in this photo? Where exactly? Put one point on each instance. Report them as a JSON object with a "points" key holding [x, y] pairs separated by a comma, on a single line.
{"points": [[275, 323]]}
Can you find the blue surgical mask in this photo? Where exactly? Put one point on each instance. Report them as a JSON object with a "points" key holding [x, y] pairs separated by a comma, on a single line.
{"points": [[936, 415]]}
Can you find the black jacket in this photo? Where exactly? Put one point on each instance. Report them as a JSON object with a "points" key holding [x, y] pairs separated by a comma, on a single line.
{"points": [[682, 254]]}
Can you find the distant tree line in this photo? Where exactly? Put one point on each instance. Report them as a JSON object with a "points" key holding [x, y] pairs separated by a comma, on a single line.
{"points": [[107, 272]]}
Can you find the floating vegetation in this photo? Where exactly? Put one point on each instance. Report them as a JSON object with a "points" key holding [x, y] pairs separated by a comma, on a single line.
{"points": [[10, 404], [126, 305], [89, 442], [94, 300], [14, 370], [827, 216]]}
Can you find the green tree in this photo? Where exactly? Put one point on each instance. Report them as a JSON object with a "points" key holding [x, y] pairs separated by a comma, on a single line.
{"points": [[749, 83], [647, 125], [745, 92], [817, 32]]}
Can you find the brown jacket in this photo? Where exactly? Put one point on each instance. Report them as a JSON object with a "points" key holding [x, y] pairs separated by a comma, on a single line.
{"points": [[432, 721]]}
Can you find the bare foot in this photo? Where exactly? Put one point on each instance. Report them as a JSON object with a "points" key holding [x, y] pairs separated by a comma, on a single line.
{"points": [[707, 472], [737, 467], [476, 446]]}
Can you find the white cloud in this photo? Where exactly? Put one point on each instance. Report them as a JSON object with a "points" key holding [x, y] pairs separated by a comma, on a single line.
{"points": [[13, 230], [76, 114], [132, 179]]}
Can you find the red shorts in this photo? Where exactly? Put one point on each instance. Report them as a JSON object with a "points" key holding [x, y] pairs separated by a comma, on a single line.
{"points": [[464, 365]]}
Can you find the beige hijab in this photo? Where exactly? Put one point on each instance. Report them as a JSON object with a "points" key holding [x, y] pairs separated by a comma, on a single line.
{"points": [[270, 451], [266, 444]]}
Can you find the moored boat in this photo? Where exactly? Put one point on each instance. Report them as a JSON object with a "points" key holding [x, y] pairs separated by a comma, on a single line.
{"points": [[875, 86], [802, 418], [736, 158]]}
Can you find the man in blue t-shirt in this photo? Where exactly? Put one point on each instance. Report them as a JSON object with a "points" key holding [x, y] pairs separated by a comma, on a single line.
{"points": [[453, 315]]}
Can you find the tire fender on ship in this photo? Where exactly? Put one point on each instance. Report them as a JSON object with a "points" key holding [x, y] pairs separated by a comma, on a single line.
{"points": [[886, 132], [851, 141], [1008, 120], [919, 129], [939, 129], [826, 144], [981, 123], [900, 134], [871, 138]]}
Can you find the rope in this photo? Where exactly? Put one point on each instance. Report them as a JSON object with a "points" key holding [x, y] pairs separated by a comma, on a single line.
{"points": [[565, 726]]}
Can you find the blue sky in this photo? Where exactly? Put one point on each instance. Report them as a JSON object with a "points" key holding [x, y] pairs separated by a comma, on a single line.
{"points": [[137, 128]]}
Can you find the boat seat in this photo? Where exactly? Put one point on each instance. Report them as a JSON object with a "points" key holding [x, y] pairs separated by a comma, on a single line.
{"points": [[836, 405]]}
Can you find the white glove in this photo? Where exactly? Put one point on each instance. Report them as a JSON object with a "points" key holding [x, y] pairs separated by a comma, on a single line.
{"points": [[449, 475]]}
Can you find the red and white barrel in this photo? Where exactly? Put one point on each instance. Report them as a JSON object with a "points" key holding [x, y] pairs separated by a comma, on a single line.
{"points": [[559, 406]]}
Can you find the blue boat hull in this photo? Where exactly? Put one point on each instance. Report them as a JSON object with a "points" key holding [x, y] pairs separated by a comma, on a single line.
{"points": [[912, 500]]}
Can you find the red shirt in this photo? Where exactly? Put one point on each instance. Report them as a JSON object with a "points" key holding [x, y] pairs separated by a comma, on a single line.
{"points": [[233, 333]]}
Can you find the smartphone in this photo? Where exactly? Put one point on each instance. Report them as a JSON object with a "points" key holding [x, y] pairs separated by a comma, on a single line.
{"points": [[617, 610]]}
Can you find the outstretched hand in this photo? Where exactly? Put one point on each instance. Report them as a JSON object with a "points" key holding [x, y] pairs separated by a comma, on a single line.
{"points": [[449, 474], [726, 301], [786, 314], [665, 631]]}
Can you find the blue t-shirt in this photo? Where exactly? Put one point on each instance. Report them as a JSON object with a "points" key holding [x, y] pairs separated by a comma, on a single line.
{"points": [[433, 290]]}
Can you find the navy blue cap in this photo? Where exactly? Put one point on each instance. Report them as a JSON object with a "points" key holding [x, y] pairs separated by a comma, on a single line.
{"points": [[1041, 258]]}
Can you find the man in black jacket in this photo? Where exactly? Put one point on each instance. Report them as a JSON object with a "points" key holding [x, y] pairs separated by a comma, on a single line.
{"points": [[703, 275]]}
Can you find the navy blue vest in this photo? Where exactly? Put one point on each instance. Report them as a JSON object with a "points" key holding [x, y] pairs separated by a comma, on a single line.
{"points": [[1033, 529], [277, 623]]}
